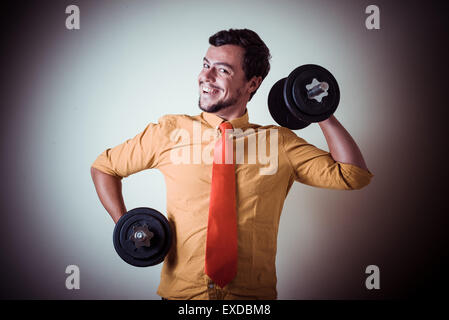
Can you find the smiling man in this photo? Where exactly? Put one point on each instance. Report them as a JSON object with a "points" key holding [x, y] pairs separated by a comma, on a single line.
{"points": [[225, 215], [224, 87]]}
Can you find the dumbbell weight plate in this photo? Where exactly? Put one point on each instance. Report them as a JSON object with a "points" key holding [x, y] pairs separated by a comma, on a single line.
{"points": [[160, 242], [295, 93], [279, 111]]}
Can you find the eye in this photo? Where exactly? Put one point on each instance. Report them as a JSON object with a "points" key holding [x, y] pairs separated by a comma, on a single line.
{"points": [[223, 70], [205, 65]]}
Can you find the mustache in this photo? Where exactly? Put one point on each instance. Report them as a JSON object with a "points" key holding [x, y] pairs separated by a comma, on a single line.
{"points": [[210, 85]]}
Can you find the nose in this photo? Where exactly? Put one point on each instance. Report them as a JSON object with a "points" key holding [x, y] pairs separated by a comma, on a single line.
{"points": [[207, 75]]}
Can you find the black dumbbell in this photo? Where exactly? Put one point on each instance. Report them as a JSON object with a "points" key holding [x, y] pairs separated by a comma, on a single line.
{"points": [[309, 94], [142, 237]]}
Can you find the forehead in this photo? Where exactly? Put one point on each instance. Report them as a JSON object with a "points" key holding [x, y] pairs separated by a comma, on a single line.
{"points": [[227, 53]]}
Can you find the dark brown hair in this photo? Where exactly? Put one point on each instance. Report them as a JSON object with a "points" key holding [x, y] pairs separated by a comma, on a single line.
{"points": [[257, 55]]}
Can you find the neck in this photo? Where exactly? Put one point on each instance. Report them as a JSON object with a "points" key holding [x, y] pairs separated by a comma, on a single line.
{"points": [[229, 114]]}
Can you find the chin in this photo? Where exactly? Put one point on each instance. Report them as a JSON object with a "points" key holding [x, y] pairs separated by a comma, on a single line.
{"points": [[207, 104], [208, 108], [204, 107]]}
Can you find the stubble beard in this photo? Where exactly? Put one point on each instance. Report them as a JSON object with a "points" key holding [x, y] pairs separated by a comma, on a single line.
{"points": [[220, 105]]}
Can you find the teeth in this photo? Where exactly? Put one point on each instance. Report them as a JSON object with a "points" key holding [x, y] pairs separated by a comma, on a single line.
{"points": [[209, 90]]}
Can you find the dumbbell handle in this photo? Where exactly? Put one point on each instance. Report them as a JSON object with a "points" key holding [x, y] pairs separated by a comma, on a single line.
{"points": [[141, 236], [317, 90]]}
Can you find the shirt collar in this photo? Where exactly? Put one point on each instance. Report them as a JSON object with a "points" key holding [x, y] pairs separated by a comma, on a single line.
{"points": [[214, 121]]}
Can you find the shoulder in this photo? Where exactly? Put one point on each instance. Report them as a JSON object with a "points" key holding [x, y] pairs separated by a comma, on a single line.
{"points": [[176, 120], [282, 131]]}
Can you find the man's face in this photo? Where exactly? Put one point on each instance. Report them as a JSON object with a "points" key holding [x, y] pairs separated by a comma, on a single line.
{"points": [[222, 82]]}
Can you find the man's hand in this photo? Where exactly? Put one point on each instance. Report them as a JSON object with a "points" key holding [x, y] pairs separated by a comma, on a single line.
{"points": [[341, 145], [109, 190]]}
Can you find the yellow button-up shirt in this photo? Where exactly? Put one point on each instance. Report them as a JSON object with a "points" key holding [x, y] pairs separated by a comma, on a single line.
{"points": [[181, 147]]}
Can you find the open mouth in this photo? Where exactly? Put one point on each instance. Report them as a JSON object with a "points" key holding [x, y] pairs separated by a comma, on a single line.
{"points": [[209, 90]]}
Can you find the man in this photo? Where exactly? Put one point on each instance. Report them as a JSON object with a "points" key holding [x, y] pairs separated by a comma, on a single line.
{"points": [[248, 200]]}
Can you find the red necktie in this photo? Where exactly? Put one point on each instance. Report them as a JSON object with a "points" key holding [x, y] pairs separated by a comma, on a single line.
{"points": [[221, 243]]}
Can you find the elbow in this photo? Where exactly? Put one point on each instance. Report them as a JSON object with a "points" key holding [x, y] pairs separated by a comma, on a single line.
{"points": [[96, 173], [359, 186], [355, 178], [93, 172], [99, 174], [360, 183]]}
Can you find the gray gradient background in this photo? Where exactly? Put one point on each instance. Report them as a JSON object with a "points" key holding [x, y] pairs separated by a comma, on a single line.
{"points": [[68, 95]]}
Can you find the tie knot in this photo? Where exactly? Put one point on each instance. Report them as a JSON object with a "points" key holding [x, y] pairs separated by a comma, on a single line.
{"points": [[224, 126]]}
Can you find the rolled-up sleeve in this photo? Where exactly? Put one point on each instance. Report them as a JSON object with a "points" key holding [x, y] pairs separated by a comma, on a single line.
{"points": [[134, 155], [315, 167]]}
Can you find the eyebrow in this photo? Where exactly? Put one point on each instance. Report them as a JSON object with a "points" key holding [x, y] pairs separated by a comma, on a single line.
{"points": [[220, 64]]}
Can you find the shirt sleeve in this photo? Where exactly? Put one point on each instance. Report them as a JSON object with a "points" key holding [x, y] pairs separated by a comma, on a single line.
{"points": [[136, 154], [316, 167]]}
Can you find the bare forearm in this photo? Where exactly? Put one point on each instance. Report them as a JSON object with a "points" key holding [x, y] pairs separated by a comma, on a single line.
{"points": [[109, 190], [341, 145]]}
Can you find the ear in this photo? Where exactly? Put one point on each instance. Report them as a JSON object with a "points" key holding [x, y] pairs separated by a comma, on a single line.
{"points": [[254, 83]]}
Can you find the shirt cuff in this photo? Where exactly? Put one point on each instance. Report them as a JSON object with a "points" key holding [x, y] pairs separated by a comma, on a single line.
{"points": [[101, 164], [356, 177]]}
